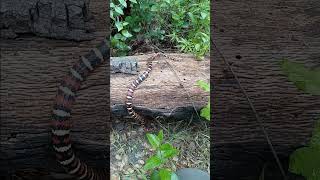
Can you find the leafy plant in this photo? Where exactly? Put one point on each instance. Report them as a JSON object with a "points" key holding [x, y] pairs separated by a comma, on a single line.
{"points": [[184, 23], [307, 80], [164, 151], [120, 26], [205, 112], [306, 160]]}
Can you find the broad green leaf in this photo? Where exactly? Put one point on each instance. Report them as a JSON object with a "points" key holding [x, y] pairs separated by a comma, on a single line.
{"points": [[203, 15], [203, 85], [305, 79], [166, 174], [117, 36], [112, 5], [155, 175], [123, 3], [119, 25], [160, 135], [306, 162], [119, 10], [167, 151], [205, 112], [126, 33], [153, 140], [152, 162]]}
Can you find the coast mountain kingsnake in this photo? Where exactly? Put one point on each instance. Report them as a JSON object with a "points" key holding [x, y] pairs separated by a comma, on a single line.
{"points": [[61, 114]]}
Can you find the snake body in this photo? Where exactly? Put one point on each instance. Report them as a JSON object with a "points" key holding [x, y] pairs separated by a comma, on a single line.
{"points": [[61, 123], [134, 85]]}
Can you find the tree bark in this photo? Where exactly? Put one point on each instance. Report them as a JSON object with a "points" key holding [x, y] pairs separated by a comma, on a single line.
{"points": [[255, 37], [61, 19]]}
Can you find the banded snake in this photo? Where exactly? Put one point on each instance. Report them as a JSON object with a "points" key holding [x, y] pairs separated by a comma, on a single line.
{"points": [[61, 114]]}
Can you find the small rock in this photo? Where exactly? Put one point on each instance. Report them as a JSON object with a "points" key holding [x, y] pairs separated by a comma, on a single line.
{"points": [[130, 170], [141, 162], [118, 157], [115, 177], [134, 133], [175, 159]]}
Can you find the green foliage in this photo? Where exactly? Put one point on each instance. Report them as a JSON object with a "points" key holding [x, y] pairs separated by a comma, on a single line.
{"points": [[184, 23], [164, 151], [122, 35], [205, 112], [306, 160], [305, 79]]}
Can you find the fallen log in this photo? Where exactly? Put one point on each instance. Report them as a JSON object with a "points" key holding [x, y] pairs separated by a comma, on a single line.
{"points": [[163, 94]]}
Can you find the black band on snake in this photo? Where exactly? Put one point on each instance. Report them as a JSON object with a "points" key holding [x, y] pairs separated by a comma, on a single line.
{"points": [[61, 123]]}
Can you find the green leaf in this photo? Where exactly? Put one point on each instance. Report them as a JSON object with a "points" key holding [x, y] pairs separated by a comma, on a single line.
{"points": [[305, 79], [203, 15], [119, 10], [123, 3], [166, 174], [154, 8], [205, 86], [125, 23], [152, 162], [126, 33], [167, 151], [155, 175], [160, 135], [111, 15], [197, 47], [119, 25], [134, 1], [153, 140], [136, 29], [205, 112], [306, 162], [117, 36]]}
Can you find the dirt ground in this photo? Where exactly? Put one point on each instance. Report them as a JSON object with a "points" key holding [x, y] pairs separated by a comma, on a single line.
{"points": [[130, 148]]}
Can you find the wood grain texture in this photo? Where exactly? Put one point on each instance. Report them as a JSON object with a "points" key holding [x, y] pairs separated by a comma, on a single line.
{"points": [[31, 69], [161, 94], [262, 33]]}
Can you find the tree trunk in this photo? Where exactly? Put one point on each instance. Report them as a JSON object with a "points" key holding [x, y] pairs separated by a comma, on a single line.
{"points": [[255, 37]]}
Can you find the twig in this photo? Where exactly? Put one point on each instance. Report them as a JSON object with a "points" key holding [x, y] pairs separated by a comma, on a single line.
{"points": [[254, 111]]}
